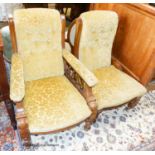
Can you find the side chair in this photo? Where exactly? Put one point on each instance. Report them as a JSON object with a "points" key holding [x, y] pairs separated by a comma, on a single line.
{"points": [[91, 38], [52, 90]]}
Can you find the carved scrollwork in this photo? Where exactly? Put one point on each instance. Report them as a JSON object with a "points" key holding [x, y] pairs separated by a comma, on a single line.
{"points": [[85, 90], [74, 77]]}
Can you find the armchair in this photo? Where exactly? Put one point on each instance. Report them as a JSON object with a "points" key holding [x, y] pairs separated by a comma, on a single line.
{"points": [[45, 77], [91, 38]]}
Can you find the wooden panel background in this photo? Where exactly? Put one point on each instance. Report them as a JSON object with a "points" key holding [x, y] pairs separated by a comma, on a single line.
{"points": [[134, 45]]}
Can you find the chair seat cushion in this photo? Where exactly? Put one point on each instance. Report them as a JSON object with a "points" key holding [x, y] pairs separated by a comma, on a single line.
{"points": [[115, 87], [53, 104]]}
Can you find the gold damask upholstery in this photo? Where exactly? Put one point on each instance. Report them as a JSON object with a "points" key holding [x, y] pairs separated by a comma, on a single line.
{"points": [[95, 49], [38, 33], [53, 103], [98, 31], [17, 86], [67, 46], [115, 87]]}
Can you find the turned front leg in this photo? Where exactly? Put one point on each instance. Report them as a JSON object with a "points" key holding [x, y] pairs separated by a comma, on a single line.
{"points": [[22, 125], [91, 101], [133, 102]]}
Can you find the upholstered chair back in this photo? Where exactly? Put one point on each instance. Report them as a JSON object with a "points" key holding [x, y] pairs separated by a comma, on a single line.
{"points": [[97, 36], [38, 35]]}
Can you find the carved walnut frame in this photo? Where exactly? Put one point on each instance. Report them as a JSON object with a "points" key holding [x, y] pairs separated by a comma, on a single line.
{"points": [[115, 62], [71, 74]]}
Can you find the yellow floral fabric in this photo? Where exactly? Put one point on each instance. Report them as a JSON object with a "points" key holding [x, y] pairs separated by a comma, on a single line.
{"points": [[97, 36], [17, 86], [38, 33], [52, 104], [85, 74], [115, 87]]}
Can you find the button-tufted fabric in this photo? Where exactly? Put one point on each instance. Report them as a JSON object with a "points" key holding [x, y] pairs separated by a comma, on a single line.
{"points": [[52, 104], [115, 87], [38, 33], [97, 36]]}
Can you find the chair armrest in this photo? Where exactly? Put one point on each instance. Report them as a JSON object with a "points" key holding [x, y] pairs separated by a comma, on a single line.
{"points": [[17, 86], [83, 80], [84, 73]]}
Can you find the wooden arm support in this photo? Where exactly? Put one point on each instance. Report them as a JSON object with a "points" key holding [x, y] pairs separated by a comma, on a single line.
{"points": [[22, 123], [84, 89], [122, 67]]}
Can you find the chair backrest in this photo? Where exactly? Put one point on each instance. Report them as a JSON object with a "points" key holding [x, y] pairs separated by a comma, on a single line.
{"points": [[96, 38], [39, 44]]}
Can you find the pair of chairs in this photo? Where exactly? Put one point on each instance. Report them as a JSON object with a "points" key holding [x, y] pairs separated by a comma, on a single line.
{"points": [[51, 88]]}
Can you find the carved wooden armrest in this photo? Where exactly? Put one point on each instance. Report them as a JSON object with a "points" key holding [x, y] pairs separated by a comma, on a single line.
{"points": [[83, 72], [83, 84]]}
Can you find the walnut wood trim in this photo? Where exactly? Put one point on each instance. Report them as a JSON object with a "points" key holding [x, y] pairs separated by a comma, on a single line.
{"points": [[133, 102], [122, 67], [63, 22], [79, 25], [85, 91], [13, 34], [69, 31], [77, 37], [22, 124]]}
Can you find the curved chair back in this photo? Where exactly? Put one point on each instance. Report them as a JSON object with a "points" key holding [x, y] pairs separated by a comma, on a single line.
{"points": [[94, 35]]}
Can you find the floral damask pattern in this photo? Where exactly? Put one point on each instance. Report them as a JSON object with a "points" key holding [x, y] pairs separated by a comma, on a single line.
{"points": [[118, 129]]}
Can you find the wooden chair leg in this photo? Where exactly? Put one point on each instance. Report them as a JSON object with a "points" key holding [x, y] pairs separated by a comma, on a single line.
{"points": [[10, 110], [133, 102], [24, 132], [22, 125], [93, 106]]}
